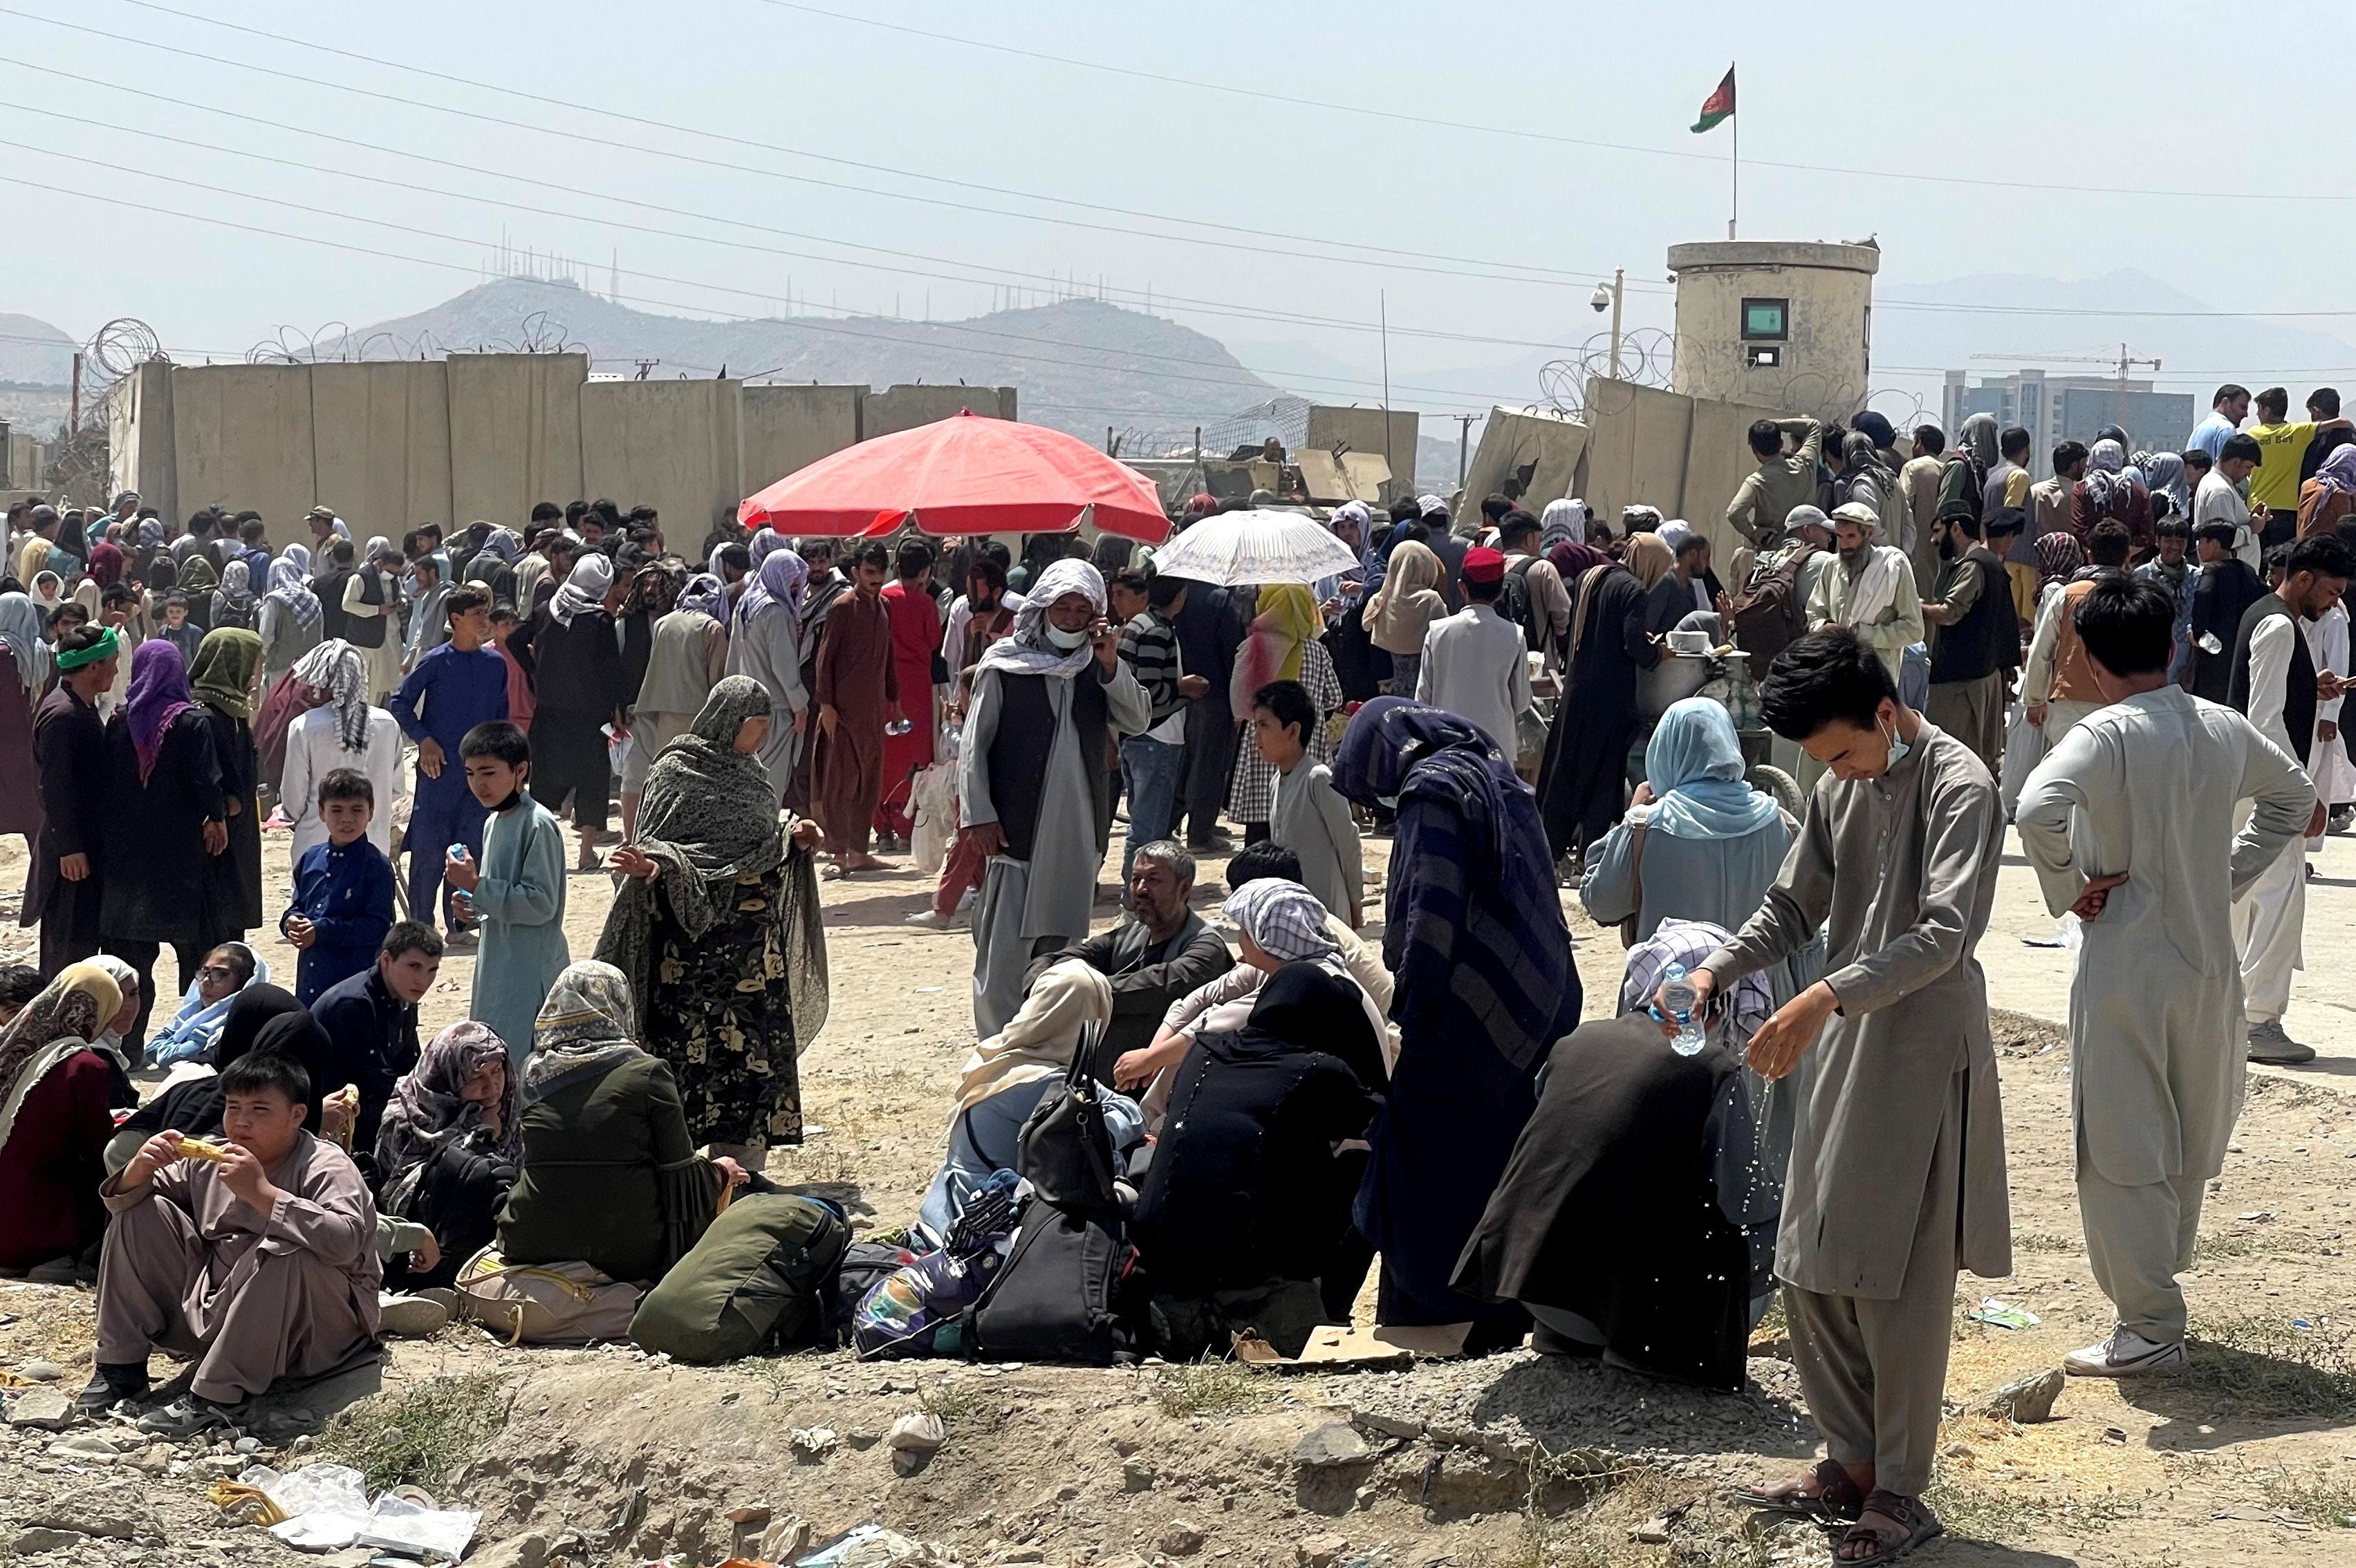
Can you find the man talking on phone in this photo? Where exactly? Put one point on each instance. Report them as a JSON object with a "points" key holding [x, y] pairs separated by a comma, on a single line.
{"points": [[1037, 801]]}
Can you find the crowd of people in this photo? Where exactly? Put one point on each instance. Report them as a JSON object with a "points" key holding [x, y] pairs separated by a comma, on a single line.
{"points": [[1948, 647]]}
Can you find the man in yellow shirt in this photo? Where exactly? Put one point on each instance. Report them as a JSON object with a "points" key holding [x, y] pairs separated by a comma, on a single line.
{"points": [[2275, 485]]}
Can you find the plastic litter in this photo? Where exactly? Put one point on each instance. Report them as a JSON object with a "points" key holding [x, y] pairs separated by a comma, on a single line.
{"points": [[326, 1508], [2000, 1315]]}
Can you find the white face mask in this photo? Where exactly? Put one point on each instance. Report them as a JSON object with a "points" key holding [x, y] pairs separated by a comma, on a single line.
{"points": [[1065, 640], [1898, 749]]}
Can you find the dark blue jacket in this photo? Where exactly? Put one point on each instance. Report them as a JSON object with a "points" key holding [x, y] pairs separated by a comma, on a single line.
{"points": [[345, 893]]}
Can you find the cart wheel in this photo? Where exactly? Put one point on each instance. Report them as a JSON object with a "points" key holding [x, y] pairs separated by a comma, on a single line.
{"points": [[1780, 787]]}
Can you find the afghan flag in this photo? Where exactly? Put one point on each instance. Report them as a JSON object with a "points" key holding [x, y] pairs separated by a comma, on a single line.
{"points": [[1718, 106]]}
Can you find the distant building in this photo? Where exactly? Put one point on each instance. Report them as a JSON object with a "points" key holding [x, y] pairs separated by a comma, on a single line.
{"points": [[2055, 408]]}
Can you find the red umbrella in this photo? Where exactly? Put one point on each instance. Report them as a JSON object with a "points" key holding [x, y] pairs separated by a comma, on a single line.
{"points": [[962, 475]]}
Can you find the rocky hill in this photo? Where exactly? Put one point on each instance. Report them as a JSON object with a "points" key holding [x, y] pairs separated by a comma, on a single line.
{"points": [[1080, 364]]}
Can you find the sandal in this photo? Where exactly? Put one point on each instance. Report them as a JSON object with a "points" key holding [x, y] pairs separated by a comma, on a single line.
{"points": [[1915, 1524], [1836, 1497]]}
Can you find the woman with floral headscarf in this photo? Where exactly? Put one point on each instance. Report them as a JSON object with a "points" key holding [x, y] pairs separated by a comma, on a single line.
{"points": [[449, 1147], [56, 1076], [171, 819], [716, 927], [610, 1174]]}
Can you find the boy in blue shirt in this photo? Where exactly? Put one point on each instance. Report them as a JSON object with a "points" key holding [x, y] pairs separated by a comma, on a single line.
{"points": [[343, 890], [454, 688], [516, 891]]}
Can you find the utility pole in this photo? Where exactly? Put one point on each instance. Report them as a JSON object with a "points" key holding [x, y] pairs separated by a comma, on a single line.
{"points": [[1463, 441], [1611, 294], [73, 418], [1384, 304]]}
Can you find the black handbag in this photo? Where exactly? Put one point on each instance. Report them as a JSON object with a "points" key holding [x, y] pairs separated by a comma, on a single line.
{"points": [[1061, 1296], [1065, 1291], [1065, 1150]]}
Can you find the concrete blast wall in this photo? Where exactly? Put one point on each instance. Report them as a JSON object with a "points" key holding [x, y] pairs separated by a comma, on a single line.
{"points": [[788, 428], [393, 443], [242, 438], [1361, 430], [381, 444], [1686, 455], [515, 433], [1552, 446], [904, 407], [671, 445], [139, 438]]}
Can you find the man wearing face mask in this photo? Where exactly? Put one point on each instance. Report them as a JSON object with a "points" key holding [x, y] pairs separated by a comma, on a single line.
{"points": [[1897, 1175], [1033, 795], [1978, 643]]}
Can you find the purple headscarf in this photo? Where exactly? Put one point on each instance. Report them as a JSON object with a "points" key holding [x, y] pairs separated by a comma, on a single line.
{"points": [[159, 694], [779, 582]]}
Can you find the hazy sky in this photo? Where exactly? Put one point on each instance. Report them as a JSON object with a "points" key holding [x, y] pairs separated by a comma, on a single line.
{"points": [[1510, 231]]}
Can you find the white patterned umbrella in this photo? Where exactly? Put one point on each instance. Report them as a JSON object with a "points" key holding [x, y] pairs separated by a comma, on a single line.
{"points": [[1237, 547]]}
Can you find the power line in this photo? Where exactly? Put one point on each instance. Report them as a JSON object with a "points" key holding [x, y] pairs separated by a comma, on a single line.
{"points": [[1333, 106], [1255, 387], [724, 288], [1208, 307], [1551, 276], [1560, 278]]}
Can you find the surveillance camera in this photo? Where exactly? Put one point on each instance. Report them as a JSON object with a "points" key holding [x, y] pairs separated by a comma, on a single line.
{"points": [[1601, 300]]}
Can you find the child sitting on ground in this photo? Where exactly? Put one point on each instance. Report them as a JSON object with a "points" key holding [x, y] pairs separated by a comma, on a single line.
{"points": [[343, 890]]}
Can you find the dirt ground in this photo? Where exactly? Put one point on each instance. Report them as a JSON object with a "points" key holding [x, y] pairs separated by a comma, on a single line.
{"points": [[1513, 1460]]}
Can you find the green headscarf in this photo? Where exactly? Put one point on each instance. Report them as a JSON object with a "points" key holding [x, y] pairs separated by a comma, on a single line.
{"points": [[223, 677]]}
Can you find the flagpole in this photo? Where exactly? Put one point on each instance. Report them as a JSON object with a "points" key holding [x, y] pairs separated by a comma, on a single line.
{"points": [[1735, 210]]}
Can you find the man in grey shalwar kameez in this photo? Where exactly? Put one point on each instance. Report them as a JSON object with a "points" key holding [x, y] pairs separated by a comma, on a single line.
{"points": [[1897, 1175], [2129, 822], [1032, 788]]}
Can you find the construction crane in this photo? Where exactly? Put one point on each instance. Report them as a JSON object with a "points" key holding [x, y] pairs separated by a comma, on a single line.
{"points": [[2122, 362]]}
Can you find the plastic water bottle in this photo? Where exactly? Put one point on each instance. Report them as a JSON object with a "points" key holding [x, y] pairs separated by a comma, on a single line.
{"points": [[1680, 996]]}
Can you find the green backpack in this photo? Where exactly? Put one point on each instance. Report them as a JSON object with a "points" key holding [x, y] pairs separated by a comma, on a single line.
{"points": [[762, 1276]]}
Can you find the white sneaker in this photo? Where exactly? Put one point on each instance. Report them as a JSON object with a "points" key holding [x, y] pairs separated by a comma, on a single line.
{"points": [[411, 1316], [2125, 1354], [935, 920]]}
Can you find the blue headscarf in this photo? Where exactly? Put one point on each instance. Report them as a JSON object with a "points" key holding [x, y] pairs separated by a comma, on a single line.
{"points": [[1694, 765]]}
